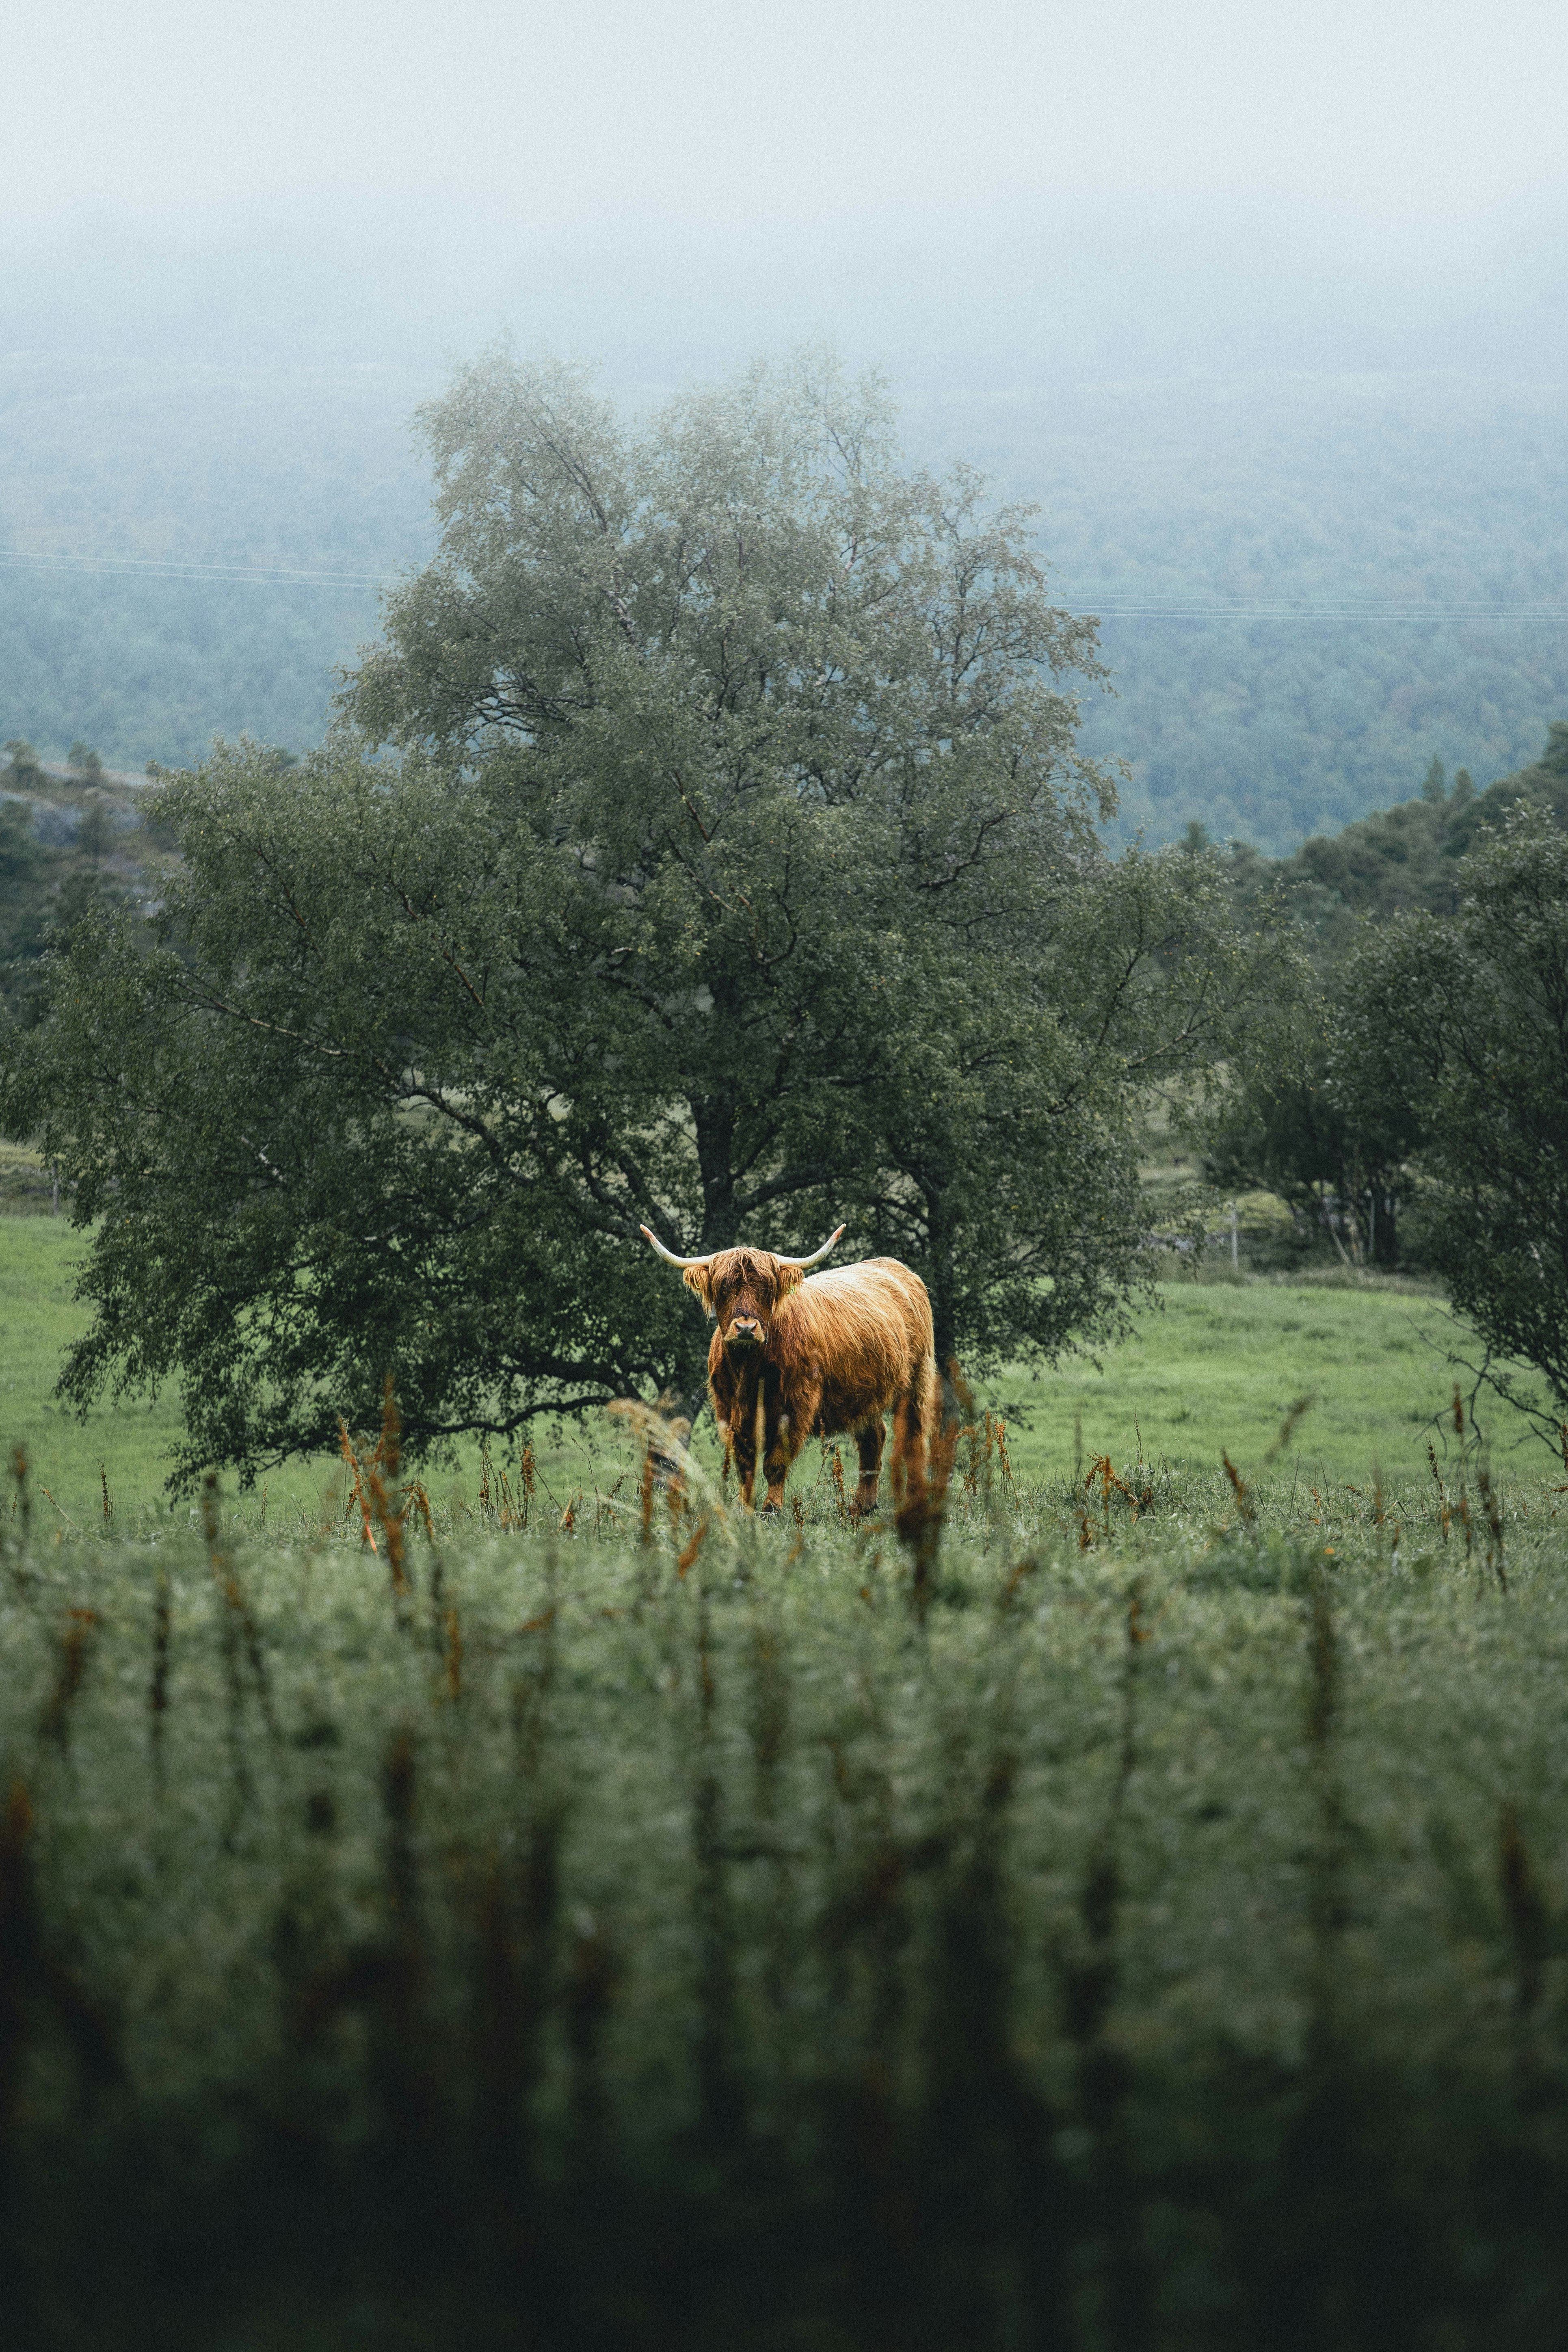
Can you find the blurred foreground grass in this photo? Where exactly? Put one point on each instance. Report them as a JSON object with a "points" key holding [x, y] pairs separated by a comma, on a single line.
{"points": [[1156, 1940]]}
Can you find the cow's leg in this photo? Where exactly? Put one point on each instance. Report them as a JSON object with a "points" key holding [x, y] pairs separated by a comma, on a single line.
{"points": [[743, 1449], [748, 1434], [912, 1422], [783, 1445], [869, 1443], [792, 1417]]}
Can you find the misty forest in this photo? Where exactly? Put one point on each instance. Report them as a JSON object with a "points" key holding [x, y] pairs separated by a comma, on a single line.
{"points": [[552, 1798]]}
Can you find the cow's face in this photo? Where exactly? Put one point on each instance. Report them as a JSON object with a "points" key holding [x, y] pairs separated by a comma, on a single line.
{"points": [[741, 1289]]}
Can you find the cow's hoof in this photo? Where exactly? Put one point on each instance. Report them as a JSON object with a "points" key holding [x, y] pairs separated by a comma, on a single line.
{"points": [[769, 1510]]}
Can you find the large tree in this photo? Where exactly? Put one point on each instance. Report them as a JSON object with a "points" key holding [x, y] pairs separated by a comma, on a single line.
{"points": [[705, 844], [1458, 1030], [1282, 1122]]}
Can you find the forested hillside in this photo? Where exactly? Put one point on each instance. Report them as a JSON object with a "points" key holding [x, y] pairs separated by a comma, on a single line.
{"points": [[1394, 547], [180, 484], [1403, 541], [1402, 860]]}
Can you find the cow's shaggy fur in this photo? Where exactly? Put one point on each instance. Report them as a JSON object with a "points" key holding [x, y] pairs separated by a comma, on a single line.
{"points": [[822, 1355]]}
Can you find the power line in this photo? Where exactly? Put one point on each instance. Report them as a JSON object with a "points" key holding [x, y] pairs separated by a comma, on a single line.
{"points": [[1313, 613], [1108, 608], [171, 568]]}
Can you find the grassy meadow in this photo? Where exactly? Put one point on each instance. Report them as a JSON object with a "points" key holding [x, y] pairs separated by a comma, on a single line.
{"points": [[1139, 1927], [1217, 1368], [1126, 1913]]}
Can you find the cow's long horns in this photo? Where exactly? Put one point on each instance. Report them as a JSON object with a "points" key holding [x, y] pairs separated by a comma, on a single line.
{"points": [[670, 1259], [815, 1255], [668, 1255]]}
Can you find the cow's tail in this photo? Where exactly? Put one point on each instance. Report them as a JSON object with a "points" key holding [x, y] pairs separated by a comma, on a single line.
{"points": [[919, 1419]]}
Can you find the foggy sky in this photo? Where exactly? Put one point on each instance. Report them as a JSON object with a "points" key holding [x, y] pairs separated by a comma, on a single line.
{"points": [[238, 243], [733, 111]]}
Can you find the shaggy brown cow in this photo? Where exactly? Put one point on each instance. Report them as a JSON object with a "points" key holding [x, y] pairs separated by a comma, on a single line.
{"points": [[826, 1356]]}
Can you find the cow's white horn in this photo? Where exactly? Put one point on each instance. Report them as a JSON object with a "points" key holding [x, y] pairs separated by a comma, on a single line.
{"points": [[668, 1255], [815, 1255]]}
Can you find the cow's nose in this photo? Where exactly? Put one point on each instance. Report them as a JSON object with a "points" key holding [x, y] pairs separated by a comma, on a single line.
{"points": [[745, 1323]]}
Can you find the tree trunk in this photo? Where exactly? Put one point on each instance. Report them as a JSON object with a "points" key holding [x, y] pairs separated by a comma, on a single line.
{"points": [[1385, 1250], [714, 1120], [944, 1291]]}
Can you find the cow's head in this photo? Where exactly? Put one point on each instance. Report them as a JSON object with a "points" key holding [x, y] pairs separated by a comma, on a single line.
{"points": [[742, 1288]]}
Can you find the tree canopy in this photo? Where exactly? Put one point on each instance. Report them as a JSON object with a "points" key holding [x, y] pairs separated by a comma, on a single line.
{"points": [[705, 844], [1458, 1029]]}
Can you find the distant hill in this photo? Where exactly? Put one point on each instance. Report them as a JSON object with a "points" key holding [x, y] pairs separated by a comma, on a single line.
{"points": [[1311, 585], [176, 498], [1402, 858], [1376, 568], [71, 840]]}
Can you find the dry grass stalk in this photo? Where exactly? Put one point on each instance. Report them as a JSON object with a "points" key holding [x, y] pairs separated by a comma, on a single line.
{"points": [[1110, 1483], [357, 1493], [687, 1559], [386, 1493], [421, 1504], [22, 1510], [64, 1515], [668, 1460], [592, 1973], [29, 1977], [1090, 1983], [1322, 1699], [1003, 1463], [18, 1947], [1529, 1933], [1242, 1491], [77, 1642], [1288, 1426], [970, 1436], [645, 1498], [918, 1519], [1444, 1514], [240, 1628], [1493, 1502], [158, 1689], [1017, 1576], [1328, 1909]]}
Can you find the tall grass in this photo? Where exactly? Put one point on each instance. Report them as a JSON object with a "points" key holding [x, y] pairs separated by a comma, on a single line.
{"points": [[1125, 1912]]}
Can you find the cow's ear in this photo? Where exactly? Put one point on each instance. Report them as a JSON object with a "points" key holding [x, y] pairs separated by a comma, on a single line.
{"points": [[699, 1278], [785, 1279]]}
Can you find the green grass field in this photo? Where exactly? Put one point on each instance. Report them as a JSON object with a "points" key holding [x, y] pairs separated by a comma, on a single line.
{"points": [[1217, 1368], [1144, 1930], [1154, 1943]]}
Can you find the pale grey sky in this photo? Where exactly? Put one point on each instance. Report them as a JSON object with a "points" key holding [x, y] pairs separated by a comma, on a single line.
{"points": [[730, 111]]}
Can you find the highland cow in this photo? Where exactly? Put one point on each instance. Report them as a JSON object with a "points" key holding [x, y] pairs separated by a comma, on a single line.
{"points": [[826, 1355]]}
